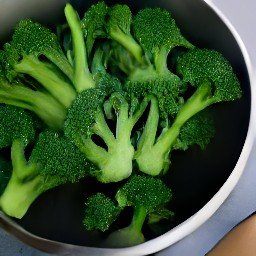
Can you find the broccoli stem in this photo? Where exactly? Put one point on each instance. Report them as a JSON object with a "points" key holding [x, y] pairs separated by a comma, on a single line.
{"points": [[19, 162], [82, 77], [131, 235], [138, 220], [97, 65], [24, 185], [49, 79], [148, 136], [45, 106], [128, 43], [152, 158], [160, 61], [18, 196]]}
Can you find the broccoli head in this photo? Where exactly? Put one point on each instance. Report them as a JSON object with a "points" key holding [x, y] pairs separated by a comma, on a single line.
{"points": [[16, 125], [118, 27], [158, 34], [88, 126], [215, 81], [54, 161], [146, 195], [93, 24], [100, 212]]}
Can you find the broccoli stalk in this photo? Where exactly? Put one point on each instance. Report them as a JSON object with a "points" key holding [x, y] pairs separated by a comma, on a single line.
{"points": [[42, 104], [214, 80], [82, 77], [132, 234], [24, 185], [87, 117], [47, 76], [145, 194]]}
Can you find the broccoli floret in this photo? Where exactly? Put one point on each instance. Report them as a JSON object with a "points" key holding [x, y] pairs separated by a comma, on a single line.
{"points": [[100, 212], [16, 124], [35, 51], [53, 161], [198, 130], [93, 24], [29, 81], [118, 27], [215, 81], [87, 120], [18, 94], [210, 67], [35, 73], [145, 194], [169, 92], [158, 34]]}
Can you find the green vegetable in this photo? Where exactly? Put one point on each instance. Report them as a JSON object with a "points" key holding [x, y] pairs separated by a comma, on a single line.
{"points": [[157, 34], [100, 212], [146, 195], [88, 116], [212, 76], [118, 27], [54, 160], [19, 93], [110, 95], [93, 24]]}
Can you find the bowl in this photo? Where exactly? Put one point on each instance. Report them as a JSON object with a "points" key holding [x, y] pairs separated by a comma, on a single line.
{"points": [[200, 180]]}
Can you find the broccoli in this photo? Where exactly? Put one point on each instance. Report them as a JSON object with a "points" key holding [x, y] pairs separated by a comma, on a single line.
{"points": [[198, 130], [82, 78], [35, 51], [110, 95], [17, 126], [145, 194], [157, 34], [53, 161], [100, 212], [93, 24], [87, 119], [118, 28], [18, 94], [214, 81], [36, 75]]}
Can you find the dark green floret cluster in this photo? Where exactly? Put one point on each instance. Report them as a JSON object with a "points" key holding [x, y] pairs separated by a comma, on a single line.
{"points": [[108, 96]]}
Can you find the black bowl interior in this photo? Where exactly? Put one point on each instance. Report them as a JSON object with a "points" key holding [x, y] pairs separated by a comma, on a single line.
{"points": [[195, 175]]}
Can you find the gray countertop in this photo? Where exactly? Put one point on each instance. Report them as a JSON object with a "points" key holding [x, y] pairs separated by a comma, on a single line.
{"points": [[241, 202]]}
